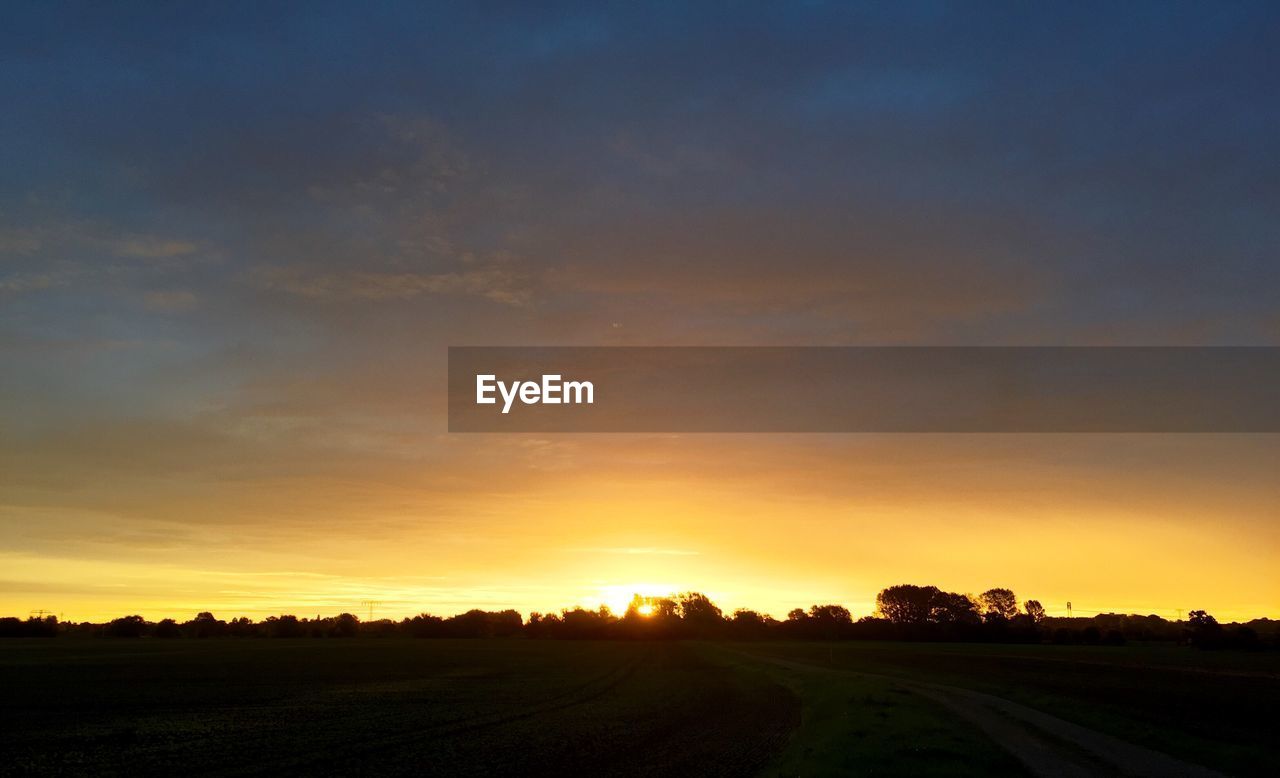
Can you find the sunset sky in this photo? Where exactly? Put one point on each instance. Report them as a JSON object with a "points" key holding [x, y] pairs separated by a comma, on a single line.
{"points": [[236, 242]]}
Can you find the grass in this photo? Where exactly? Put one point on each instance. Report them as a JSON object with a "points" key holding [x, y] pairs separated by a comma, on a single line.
{"points": [[857, 726], [1212, 708]]}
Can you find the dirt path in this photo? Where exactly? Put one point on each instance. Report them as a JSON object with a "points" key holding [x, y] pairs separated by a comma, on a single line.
{"points": [[1047, 745]]}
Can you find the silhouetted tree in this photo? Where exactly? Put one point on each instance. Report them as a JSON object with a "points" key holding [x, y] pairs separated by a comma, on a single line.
{"points": [[483, 624], [874, 628], [125, 627], [424, 625], [580, 623], [167, 628], [287, 626], [829, 621], [651, 617], [750, 625], [664, 608], [346, 625], [1206, 632], [33, 627], [205, 625], [242, 627], [539, 626], [906, 603], [952, 608], [697, 608], [833, 614], [999, 604], [699, 616], [905, 612]]}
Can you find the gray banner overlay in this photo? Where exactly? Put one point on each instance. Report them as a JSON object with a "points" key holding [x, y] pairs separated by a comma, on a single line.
{"points": [[864, 389]]}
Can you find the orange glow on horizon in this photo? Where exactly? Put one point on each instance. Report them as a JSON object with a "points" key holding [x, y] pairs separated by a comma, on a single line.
{"points": [[766, 523]]}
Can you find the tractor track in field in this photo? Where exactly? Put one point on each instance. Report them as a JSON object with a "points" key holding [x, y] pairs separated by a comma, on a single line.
{"points": [[583, 693], [1046, 745], [1224, 672]]}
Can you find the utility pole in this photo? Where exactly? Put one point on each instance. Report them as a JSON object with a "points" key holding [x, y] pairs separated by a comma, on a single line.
{"points": [[1068, 608]]}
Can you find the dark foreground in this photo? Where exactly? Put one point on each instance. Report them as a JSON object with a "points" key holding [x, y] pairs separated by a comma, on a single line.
{"points": [[382, 707]]}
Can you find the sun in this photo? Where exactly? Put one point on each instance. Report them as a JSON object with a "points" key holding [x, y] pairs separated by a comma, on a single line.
{"points": [[645, 610], [618, 597]]}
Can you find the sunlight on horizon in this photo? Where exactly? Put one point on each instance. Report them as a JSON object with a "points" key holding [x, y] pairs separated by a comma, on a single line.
{"points": [[618, 597], [768, 525]]}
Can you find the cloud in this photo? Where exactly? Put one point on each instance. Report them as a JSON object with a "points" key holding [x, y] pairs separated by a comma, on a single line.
{"points": [[44, 276], [26, 282], [498, 284], [152, 247], [55, 250], [640, 550], [57, 233], [18, 242], [171, 300]]}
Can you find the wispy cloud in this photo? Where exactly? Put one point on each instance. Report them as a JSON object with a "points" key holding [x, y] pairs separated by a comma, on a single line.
{"points": [[498, 284], [26, 282], [171, 300], [639, 551], [18, 241], [152, 247]]}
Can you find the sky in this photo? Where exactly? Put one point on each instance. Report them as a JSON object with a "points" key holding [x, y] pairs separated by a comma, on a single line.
{"points": [[236, 241]]}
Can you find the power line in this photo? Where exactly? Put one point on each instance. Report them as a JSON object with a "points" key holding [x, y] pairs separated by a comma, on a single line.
{"points": [[1071, 610]]}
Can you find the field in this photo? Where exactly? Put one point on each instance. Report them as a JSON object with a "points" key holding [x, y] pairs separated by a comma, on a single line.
{"points": [[1145, 710], [386, 707]]}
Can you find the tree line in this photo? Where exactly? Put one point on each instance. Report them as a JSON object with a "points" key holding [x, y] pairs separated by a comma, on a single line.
{"points": [[903, 612]]}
